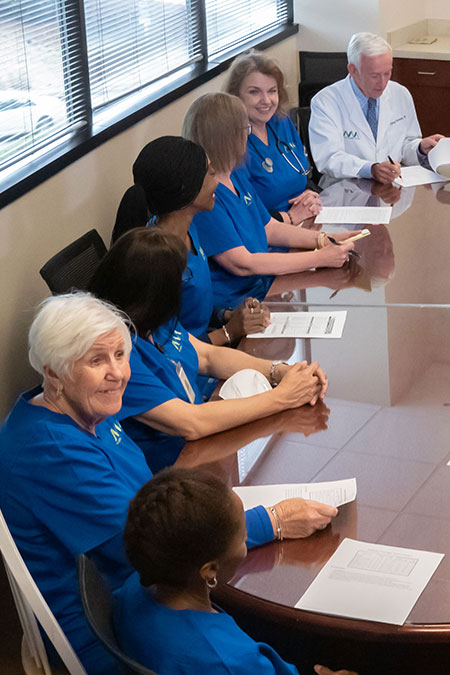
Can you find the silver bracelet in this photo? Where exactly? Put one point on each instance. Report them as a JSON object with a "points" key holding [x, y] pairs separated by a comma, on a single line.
{"points": [[273, 511], [227, 335], [272, 379]]}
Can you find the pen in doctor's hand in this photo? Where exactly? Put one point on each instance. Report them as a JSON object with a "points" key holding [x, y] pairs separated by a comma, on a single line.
{"points": [[392, 162], [336, 243]]}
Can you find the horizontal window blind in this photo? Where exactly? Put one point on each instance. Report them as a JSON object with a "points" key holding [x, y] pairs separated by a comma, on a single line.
{"points": [[40, 75], [132, 43], [231, 23]]}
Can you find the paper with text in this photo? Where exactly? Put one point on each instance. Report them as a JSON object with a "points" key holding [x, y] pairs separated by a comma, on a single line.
{"points": [[333, 493], [367, 215], [304, 325], [418, 175], [371, 582]]}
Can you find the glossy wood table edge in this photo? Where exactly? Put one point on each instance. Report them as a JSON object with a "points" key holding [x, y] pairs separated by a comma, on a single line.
{"points": [[327, 624]]}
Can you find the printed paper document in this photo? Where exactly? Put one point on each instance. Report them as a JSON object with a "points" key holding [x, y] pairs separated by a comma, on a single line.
{"points": [[333, 493], [355, 214], [418, 175], [371, 582], [304, 325]]}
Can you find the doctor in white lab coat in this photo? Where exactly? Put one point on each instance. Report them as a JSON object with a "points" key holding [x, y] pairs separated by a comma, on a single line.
{"points": [[344, 143]]}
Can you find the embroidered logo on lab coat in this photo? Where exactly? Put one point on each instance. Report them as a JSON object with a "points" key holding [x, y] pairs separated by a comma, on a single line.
{"points": [[176, 340], [248, 199], [116, 431], [351, 134]]}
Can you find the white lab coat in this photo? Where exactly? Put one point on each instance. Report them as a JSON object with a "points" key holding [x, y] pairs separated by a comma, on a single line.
{"points": [[341, 139]]}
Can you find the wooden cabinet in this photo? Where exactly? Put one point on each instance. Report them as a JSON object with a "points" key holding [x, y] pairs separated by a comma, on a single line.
{"points": [[429, 83]]}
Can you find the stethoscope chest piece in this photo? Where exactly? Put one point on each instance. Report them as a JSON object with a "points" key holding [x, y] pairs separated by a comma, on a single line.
{"points": [[267, 165]]}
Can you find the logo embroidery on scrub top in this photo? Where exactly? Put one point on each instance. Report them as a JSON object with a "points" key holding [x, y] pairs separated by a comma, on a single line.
{"points": [[116, 431], [351, 134], [176, 340], [248, 199]]}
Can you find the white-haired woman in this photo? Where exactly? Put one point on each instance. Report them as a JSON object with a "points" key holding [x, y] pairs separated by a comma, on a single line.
{"points": [[68, 471]]}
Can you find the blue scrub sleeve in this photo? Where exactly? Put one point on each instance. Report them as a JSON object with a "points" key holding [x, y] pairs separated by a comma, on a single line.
{"points": [[259, 527], [83, 503], [144, 391]]}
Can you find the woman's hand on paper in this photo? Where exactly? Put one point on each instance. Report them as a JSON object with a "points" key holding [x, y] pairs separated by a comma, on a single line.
{"points": [[299, 518]]}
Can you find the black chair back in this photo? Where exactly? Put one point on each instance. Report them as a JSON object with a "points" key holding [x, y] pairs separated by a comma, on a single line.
{"points": [[74, 266], [318, 70], [97, 602]]}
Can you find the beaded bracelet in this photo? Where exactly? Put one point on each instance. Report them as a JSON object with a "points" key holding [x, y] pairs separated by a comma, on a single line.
{"points": [[273, 511]]}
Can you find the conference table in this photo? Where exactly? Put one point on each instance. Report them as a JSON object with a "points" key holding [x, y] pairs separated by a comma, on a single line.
{"points": [[385, 421]]}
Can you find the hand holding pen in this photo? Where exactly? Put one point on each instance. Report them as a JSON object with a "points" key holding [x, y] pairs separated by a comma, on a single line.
{"points": [[386, 172]]}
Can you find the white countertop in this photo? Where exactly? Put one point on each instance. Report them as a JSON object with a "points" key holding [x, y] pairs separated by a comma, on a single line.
{"points": [[439, 50]]}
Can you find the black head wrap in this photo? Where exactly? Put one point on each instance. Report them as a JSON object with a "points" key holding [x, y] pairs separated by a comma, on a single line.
{"points": [[171, 171]]}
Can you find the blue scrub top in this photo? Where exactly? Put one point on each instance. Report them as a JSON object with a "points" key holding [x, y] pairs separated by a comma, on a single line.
{"points": [[154, 381], [63, 492], [234, 221], [188, 642], [197, 292], [276, 188]]}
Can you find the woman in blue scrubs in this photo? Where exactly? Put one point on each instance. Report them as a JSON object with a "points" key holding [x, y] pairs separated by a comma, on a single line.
{"points": [[162, 406], [276, 160], [185, 533], [236, 234], [68, 470], [174, 180]]}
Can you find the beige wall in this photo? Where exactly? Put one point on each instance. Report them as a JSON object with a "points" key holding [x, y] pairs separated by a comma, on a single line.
{"points": [[85, 195]]}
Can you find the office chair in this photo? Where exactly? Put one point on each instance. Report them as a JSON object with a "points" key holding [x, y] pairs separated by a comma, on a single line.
{"points": [[31, 606], [300, 117], [97, 602], [317, 70], [74, 266]]}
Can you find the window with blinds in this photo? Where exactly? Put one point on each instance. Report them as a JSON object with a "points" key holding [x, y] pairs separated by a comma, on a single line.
{"points": [[132, 43], [64, 61], [234, 22], [40, 75]]}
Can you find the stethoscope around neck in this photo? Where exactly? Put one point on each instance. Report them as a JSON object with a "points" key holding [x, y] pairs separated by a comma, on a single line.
{"points": [[284, 149]]}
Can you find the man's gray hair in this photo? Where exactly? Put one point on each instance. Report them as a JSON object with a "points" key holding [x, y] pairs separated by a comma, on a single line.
{"points": [[368, 44], [66, 327]]}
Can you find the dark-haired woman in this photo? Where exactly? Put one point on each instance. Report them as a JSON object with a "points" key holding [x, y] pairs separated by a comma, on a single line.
{"points": [[173, 182], [162, 405], [186, 533]]}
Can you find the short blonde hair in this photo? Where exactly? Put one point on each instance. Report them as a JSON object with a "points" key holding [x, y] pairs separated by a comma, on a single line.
{"points": [[218, 121], [65, 328], [256, 62]]}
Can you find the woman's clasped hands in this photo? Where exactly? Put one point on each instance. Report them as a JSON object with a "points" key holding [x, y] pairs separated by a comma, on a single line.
{"points": [[305, 205]]}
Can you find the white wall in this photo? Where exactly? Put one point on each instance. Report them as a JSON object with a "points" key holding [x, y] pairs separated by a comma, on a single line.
{"points": [[396, 14], [83, 196], [327, 25], [437, 9]]}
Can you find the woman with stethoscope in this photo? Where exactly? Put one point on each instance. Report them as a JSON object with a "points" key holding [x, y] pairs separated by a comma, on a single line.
{"points": [[276, 160]]}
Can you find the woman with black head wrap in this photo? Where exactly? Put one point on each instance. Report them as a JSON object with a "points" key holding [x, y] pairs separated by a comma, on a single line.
{"points": [[173, 182]]}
